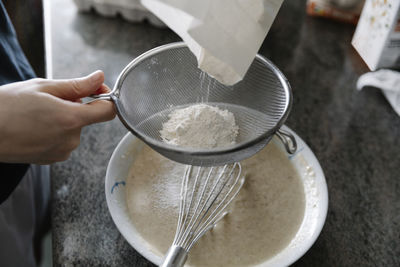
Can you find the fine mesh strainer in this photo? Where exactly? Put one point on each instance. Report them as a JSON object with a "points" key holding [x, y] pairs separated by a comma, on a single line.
{"points": [[167, 77]]}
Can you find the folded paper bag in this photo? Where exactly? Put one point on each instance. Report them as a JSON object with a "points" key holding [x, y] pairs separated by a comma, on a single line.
{"points": [[224, 35]]}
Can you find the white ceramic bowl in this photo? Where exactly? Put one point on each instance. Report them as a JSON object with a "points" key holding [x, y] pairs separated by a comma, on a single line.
{"points": [[304, 161]]}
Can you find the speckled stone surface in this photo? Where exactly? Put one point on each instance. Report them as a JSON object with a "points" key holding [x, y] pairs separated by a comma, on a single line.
{"points": [[355, 135]]}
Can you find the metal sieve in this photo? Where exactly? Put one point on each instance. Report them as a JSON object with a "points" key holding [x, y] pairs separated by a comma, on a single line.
{"points": [[167, 77]]}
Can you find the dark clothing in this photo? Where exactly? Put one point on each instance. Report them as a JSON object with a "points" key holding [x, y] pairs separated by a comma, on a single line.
{"points": [[13, 67]]}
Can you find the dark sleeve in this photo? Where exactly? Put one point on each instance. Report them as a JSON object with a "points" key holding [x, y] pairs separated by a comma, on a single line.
{"points": [[13, 67], [11, 175]]}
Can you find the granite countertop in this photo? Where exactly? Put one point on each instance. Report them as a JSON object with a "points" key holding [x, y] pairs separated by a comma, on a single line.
{"points": [[354, 134]]}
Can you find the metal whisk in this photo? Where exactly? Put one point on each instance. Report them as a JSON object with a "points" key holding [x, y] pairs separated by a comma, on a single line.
{"points": [[205, 196]]}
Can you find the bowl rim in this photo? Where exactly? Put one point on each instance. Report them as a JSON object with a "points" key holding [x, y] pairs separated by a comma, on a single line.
{"points": [[139, 244]]}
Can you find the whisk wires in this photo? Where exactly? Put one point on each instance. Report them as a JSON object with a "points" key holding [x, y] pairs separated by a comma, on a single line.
{"points": [[205, 195]]}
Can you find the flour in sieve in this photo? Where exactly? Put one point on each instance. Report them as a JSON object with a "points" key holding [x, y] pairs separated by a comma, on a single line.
{"points": [[200, 126]]}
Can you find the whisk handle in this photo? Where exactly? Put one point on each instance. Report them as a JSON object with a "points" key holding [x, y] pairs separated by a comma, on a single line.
{"points": [[176, 257]]}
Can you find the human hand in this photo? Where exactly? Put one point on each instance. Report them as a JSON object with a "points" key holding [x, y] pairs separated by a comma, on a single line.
{"points": [[41, 120]]}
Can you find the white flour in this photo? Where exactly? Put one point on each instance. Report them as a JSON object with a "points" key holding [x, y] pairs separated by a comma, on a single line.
{"points": [[200, 126]]}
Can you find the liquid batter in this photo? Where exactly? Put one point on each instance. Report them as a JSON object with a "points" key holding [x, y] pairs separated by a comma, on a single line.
{"points": [[265, 215]]}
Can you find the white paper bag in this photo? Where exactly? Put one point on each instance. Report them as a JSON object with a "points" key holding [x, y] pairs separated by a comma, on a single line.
{"points": [[224, 35], [388, 81]]}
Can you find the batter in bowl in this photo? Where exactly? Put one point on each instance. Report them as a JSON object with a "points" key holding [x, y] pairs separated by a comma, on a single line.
{"points": [[265, 215]]}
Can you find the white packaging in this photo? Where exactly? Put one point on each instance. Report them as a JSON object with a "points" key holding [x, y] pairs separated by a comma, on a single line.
{"points": [[377, 37], [131, 10], [388, 81], [224, 35]]}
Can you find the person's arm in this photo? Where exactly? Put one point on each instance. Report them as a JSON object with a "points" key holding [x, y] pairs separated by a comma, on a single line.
{"points": [[41, 120]]}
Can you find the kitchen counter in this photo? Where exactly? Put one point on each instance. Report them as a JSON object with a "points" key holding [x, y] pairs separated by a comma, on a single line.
{"points": [[354, 134]]}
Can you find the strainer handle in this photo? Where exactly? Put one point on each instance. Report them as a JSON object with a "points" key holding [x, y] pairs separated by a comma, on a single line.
{"points": [[288, 140], [107, 96]]}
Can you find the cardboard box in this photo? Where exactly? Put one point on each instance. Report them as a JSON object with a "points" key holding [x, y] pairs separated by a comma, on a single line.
{"points": [[342, 10], [377, 37]]}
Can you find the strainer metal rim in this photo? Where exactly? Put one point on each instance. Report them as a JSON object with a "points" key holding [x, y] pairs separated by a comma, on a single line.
{"points": [[114, 95]]}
